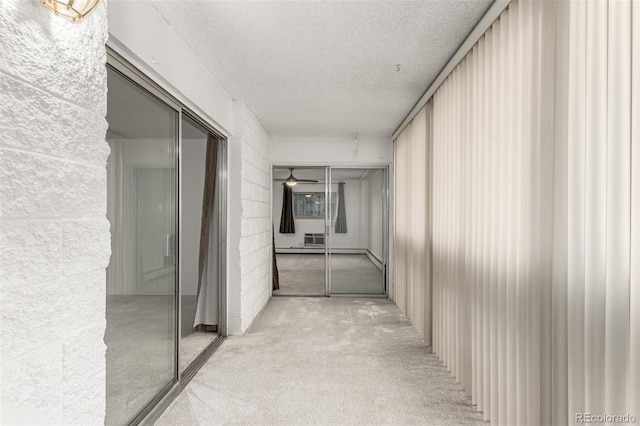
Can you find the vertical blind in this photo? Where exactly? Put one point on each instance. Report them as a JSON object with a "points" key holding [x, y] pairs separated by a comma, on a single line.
{"points": [[413, 224], [528, 157]]}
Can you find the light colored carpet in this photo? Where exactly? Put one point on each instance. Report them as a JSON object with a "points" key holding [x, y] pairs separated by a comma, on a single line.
{"points": [[335, 361], [356, 274], [140, 350], [303, 275], [300, 274], [140, 353], [193, 342]]}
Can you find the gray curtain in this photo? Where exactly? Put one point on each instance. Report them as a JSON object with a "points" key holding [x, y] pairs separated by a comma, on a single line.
{"points": [[341, 220], [206, 318], [287, 225]]}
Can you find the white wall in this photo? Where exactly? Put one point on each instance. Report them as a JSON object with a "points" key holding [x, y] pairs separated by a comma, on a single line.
{"points": [[54, 235], [303, 150], [160, 53], [249, 231]]}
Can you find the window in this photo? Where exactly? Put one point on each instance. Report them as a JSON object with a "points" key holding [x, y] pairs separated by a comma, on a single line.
{"points": [[310, 205]]}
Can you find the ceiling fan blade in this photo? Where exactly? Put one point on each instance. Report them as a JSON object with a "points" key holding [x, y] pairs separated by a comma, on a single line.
{"points": [[306, 180]]}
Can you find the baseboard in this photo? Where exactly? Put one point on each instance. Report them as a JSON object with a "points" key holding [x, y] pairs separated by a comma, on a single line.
{"points": [[374, 259]]}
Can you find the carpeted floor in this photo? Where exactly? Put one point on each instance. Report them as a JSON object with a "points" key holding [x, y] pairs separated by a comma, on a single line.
{"points": [[140, 350], [193, 342], [338, 361], [303, 275]]}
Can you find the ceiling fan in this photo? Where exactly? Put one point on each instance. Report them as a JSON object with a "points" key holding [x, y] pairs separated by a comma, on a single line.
{"points": [[292, 180]]}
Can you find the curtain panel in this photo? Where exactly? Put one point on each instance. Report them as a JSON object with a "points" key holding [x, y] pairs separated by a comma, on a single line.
{"points": [[412, 256], [535, 215], [341, 216], [287, 223], [206, 318]]}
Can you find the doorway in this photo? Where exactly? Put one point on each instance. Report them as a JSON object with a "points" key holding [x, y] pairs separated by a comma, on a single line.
{"points": [[330, 230]]}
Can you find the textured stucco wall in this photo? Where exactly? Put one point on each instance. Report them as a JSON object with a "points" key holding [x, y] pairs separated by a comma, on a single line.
{"points": [[54, 236], [249, 273]]}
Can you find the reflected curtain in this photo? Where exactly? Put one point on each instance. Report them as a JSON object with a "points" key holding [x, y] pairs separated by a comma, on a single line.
{"points": [[287, 224], [206, 318], [341, 219]]}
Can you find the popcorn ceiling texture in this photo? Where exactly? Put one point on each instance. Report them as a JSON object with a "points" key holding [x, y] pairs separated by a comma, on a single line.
{"points": [[54, 235], [325, 68], [249, 274]]}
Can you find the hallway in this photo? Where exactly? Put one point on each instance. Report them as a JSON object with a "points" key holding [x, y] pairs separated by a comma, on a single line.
{"points": [[324, 361]]}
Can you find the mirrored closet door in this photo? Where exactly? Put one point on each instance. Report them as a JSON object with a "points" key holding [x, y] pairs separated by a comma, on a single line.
{"points": [[330, 231], [357, 229]]}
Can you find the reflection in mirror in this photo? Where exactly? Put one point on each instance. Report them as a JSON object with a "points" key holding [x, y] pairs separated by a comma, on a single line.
{"points": [[299, 255], [141, 276], [357, 235]]}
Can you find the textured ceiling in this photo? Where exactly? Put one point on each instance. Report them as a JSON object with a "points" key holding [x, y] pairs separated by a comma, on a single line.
{"points": [[325, 68]]}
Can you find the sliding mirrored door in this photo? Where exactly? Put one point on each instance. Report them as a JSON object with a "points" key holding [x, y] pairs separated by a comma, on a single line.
{"points": [[141, 332], [299, 243], [357, 229]]}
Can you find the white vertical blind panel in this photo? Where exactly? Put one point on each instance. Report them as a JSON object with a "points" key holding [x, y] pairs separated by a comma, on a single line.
{"points": [[634, 287], [403, 205], [618, 207], [477, 243], [533, 164], [469, 231], [545, 197], [485, 301], [502, 230], [595, 204], [428, 290], [511, 212], [576, 207], [521, 209], [417, 237], [413, 224], [560, 366], [436, 189]]}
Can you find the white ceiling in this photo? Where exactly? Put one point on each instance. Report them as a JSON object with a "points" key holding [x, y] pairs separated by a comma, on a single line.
{"points": [[325, 68]]}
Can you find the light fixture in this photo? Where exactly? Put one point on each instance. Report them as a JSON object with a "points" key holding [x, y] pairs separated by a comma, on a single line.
{"points": [[308, 195], [292, 181], [70, 9]]}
